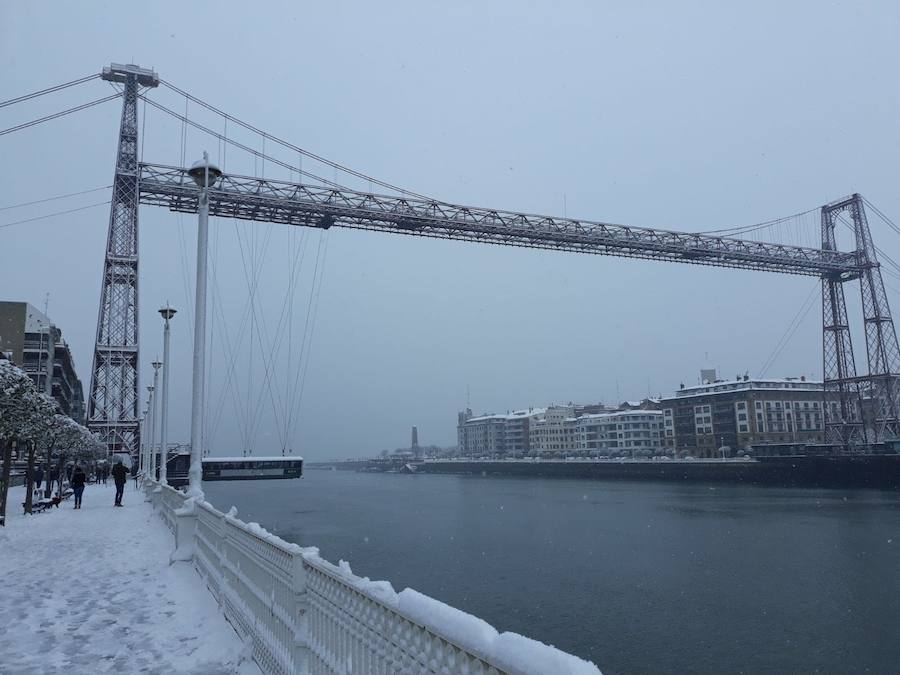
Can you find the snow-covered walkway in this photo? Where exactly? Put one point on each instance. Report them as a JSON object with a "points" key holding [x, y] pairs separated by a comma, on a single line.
{"points": [[92, 591]]}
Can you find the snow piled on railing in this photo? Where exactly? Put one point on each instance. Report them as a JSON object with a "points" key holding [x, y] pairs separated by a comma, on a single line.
{"points": [[509, 651]]}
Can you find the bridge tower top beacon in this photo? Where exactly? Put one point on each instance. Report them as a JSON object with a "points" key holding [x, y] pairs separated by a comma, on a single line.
{"points": [[113, 399], [116, 72]]}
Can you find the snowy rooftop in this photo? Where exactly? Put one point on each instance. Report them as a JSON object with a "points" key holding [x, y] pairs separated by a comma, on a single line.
{"points": [[752, 383], [35, 320], [620, 413], [93, 591], [274, 458], [514, 415]]}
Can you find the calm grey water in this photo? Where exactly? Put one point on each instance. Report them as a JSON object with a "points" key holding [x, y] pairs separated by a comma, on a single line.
{"points": [[637, 577]]}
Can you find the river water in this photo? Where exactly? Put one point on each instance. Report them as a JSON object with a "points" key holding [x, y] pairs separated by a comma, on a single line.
{"points": [[638, 577]]}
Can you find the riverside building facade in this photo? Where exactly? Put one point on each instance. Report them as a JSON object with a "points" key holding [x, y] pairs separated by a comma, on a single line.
{"points": [[627, 432], [496, 435], [562, 431], [743, 415], [33, 342], [716, 418]]}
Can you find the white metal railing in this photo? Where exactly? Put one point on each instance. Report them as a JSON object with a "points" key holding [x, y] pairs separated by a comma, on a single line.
{"points": [[302, 614]]}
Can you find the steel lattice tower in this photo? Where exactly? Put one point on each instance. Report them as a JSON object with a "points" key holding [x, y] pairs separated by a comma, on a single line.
{"points": [[113, 402], [862, 410]]}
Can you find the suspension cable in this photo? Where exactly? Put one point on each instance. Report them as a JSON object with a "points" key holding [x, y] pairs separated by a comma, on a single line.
{"points": [[241, 146], [61, 113], [50, 199], [51, 215], [788, 334], [312, 331], [731, 231], [892, 266], [293, 147], [48, 90], [272, 350], [881, 215], [308, 330]]}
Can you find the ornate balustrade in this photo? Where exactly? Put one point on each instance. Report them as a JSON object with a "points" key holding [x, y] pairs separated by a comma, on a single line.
{"points": [[302, 614]]}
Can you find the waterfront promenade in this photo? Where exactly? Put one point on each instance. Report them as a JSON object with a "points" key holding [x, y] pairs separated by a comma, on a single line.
{"points": [[92, 590]]}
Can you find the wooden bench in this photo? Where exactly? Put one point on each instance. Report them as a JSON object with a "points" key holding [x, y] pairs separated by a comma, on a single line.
{"points": [[44, 504]]}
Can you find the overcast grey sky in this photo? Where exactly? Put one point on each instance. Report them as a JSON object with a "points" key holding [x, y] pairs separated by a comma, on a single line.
{"points": [[689, 116]]}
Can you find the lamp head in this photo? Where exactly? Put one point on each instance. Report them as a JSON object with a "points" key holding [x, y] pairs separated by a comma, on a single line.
{"points": [[201, 169]]}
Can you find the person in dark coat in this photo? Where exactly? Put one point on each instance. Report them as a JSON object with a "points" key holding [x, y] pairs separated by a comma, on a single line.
{"points": [[120, 475], [38, 478], [78, 480]]}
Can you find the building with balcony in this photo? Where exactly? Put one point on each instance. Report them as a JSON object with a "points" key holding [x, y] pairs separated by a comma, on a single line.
{"points": [[634, 429], [743, 415], [496, 435], [624, 433], [553, 432], [33, 342]]}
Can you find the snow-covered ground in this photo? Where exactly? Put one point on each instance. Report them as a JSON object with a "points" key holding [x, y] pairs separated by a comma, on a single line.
{"points": [[92, 591]]}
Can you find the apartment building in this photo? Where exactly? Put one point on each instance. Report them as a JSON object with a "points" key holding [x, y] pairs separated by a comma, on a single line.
{"points": [[33, 342], [554, 431], [562, 430], [496, 435], [743, 414], [627, 432]]}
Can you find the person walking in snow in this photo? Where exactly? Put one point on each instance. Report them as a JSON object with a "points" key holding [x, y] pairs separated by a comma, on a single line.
{"points": [[78, 480], [120, 475]]}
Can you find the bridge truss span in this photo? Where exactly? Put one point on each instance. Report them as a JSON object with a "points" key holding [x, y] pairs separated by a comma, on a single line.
{"points": [[300, 204], [862, 409]]}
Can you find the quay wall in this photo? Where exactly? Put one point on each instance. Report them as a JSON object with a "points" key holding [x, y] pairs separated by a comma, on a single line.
{"points": [[874, 471], [859, 471]]}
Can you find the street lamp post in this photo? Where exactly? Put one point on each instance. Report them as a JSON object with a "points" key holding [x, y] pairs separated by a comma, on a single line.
{"points": [[151, 462], [145, 452], [156, 366], [205, 175], [142, 459], [167, 313]]}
